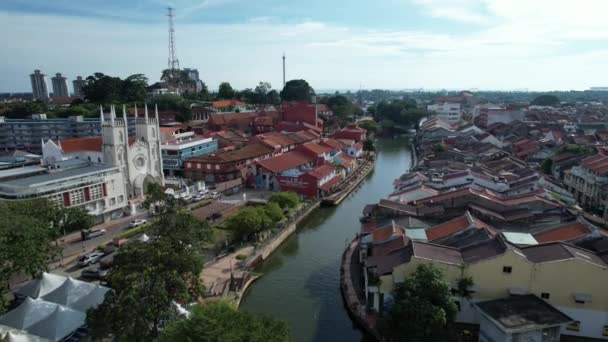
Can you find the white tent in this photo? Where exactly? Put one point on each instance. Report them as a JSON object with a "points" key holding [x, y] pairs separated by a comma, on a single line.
{"points": [[69, 292], [21, 336], [61, 323], [39, 287], [91, 300], [143, 238], [28, 313]]}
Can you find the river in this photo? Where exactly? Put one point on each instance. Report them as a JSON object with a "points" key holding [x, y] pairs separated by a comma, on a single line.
{"points": [[301, 281]]}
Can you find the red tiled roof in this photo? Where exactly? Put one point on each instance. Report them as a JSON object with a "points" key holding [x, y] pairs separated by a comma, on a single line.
{"points": [[321, 171], [596, 163], [263, 120], [448, 228], [246, 152], [562, 233], [327, 185], [316, 148], [285, 161], [275, 139], [346, 160], [82, 144], [227, 103], [383, 233]]}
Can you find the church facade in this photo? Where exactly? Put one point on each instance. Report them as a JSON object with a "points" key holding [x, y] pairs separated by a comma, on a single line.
{"points": [[138, 157]]}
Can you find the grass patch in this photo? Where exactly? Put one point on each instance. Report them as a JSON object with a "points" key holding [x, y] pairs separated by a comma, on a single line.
{"points": [[241, 257], [201, 204]]}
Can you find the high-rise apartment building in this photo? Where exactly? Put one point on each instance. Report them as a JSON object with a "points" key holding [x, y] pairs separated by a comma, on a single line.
{"points": [[60, 86], [78, 84], [39, 87]]}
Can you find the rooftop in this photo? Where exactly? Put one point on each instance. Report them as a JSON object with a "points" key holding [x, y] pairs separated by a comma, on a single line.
{"points": [[285, 161], [522, 313]]}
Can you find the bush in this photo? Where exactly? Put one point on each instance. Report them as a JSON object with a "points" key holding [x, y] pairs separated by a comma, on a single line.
{"points": [[285, 199], [202, 204], [241, 257], [131, 232]]}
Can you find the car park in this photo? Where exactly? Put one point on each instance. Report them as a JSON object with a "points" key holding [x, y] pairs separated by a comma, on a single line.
{"points": [[137, 223], [90, 259]]}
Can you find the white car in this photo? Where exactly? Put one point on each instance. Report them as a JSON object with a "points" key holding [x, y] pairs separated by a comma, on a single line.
{"points": [[200, 197], [90, 259], [137, 223], [215, 195]]}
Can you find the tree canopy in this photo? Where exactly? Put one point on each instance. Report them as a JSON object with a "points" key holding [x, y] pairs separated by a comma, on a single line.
{"points": [[225, 91], [102, 89], [27, 233], [217, 321], [297, 90], [149, 277], [545, 100], [285, 200], [423, 308], [398, 113]]}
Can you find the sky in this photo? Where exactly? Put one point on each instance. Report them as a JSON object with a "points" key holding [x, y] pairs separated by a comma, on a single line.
{"points": [[333, 44]]}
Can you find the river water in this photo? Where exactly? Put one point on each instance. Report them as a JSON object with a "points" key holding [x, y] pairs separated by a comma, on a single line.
{"points": [[301, 281]]}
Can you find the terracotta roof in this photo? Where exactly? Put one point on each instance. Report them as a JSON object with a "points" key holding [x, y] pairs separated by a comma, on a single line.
{"points": [[330, 183], [227, 103], [316, 148], [386, 232], [275, 139], [335, 144], [596, 163], [320, 172], [448, 228], [82, 144], [263, 120], [249, 151], [435, 252], [285, 161], [562, 233]]}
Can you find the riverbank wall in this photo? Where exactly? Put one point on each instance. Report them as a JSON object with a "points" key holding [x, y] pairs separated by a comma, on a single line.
{"points": [[350, 184]]}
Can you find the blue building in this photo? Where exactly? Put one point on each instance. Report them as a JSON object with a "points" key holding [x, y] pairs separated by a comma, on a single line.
{"points": [[178, 145]]}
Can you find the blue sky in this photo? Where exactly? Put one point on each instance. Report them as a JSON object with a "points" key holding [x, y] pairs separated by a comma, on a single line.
{"points": [[433, 44]]}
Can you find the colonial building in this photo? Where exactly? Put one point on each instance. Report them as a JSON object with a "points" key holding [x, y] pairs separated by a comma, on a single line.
{"points": [[139, 158]]}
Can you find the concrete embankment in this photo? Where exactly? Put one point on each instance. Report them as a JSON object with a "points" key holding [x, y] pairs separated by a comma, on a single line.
{"points": [[350, 184]]}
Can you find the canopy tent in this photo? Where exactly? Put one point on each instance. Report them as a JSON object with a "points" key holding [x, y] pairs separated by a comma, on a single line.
{"points": [[69, 292], [91, 300], [143, 238], [20, 336], [28, 313], [58, 325], [39, 287]]}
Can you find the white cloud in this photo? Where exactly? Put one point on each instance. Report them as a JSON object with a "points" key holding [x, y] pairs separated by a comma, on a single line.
{"points": [[515, 48]]}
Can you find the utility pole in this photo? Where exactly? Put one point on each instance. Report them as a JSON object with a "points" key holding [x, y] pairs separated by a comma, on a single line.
{"points": [[283, 69], [173, 62]]}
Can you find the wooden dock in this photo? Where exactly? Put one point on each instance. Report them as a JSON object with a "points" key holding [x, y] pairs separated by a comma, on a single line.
{"points": [[350, 183]]}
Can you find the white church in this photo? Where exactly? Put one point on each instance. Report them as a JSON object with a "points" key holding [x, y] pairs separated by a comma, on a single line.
{"points": [[138, 157]]}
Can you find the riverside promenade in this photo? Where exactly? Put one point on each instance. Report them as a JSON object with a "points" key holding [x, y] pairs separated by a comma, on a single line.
{"points": [[353, 293]]}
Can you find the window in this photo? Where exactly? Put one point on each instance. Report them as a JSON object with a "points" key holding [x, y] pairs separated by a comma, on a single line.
{"points": [[574, 326], [112, 201], [96, 192], [76, 197], [545, 295], [121, 199], [199, 166], [217, 167], [507, 269]]}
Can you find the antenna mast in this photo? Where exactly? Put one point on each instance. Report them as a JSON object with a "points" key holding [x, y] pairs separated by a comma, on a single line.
{"points": [[173, 62]]}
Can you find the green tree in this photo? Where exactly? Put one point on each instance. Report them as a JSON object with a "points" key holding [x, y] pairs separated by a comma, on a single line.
{"points": [[273, 211], [261, 93], [297, 90], [102, 89], [134, 88], [285, 199], [273, 97], [546, 166], [75, 219], [225, 91], [369, 125], [546, 100], [148, 278], [247, 222], [27, 232], [23, 110], [368, 145], [217, 321], [175, 76], [425, 301]]}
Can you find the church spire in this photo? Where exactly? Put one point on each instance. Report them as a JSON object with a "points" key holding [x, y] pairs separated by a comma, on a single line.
{"points": [[112, 114], [101, 118], [136, 111], [156, 113], [146, 112]]}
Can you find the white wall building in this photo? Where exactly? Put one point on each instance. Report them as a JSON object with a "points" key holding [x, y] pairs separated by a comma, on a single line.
{"points": [[447, 111]]}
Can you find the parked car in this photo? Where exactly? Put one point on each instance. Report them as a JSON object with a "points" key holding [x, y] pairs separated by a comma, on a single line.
{"points": [[94, 274], [187, 198], [215, 195], [200, 197], [90, 259], [87, 234], [137, 223], [106, 262]]}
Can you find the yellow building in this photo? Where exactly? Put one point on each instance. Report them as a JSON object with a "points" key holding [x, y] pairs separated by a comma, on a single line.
{"points": [[572, 279]]}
